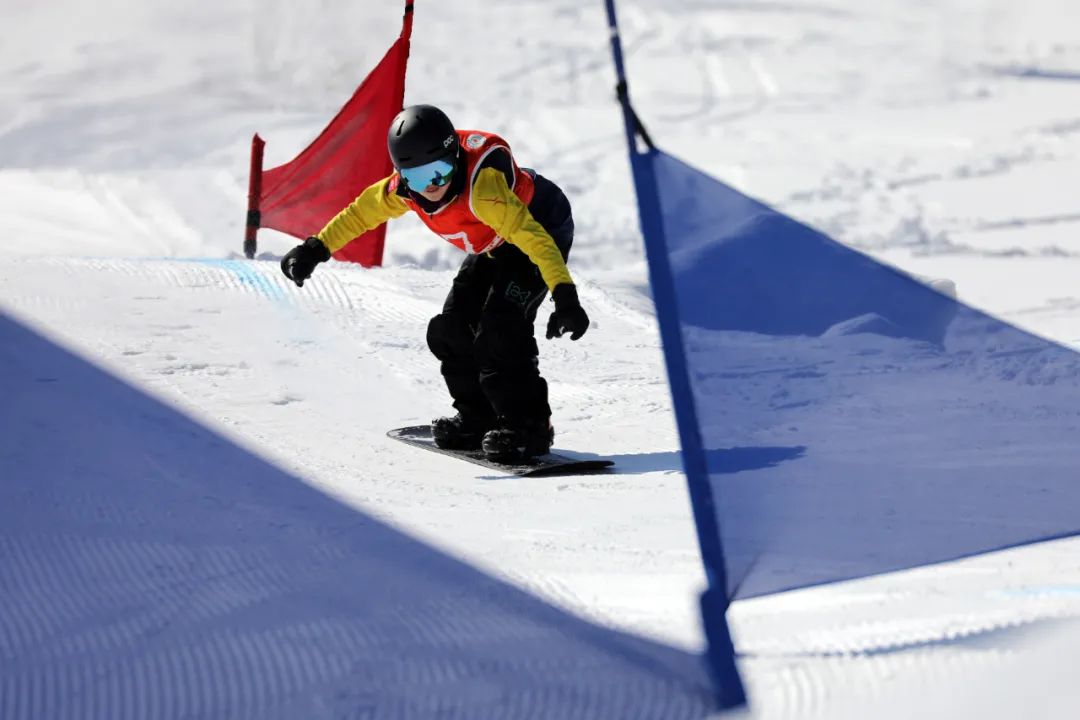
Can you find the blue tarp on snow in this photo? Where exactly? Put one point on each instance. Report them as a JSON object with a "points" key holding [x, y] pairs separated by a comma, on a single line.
{"points": [[852, 420], [150, 568]]}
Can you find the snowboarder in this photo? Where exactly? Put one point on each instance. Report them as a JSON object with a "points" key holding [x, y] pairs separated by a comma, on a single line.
{"points": [[517, 228]]}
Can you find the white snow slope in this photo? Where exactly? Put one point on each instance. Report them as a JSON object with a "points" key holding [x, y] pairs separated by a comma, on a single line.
{"points": [[942, 137]]}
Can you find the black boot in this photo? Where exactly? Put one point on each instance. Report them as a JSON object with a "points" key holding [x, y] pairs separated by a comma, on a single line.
{"points": [[459, 432], [517, 441]]}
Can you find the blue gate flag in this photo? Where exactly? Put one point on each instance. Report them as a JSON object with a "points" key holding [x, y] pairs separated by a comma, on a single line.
{"points": [[151, 568], [853, 419], [838, 417]]}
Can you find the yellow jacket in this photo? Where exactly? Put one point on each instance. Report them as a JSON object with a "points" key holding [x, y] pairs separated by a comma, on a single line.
{"points": [[494, 204]]}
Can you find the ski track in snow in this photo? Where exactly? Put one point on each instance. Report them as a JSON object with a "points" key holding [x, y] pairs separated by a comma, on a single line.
{"points": [[168, 326]]}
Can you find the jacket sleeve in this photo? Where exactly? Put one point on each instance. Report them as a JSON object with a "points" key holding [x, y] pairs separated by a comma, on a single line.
{"points": [[375, 205], [496, 205]]}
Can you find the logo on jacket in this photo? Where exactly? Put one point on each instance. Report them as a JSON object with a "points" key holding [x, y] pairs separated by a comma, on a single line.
{"points": [[474, 141]]}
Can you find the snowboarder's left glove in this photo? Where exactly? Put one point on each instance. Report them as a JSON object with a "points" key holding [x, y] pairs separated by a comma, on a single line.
{"points": [[300, 262], [568, 317]]}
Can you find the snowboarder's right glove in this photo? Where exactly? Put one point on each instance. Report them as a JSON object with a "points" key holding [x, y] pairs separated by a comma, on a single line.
{"points": [[568, 316], [300, 262]]}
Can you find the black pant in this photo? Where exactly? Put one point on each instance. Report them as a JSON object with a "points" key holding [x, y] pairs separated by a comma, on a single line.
{"points": [[484, 336]]}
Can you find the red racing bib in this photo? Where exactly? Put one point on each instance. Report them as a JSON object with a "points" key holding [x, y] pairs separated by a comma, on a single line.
{"points": [[456, 222]]}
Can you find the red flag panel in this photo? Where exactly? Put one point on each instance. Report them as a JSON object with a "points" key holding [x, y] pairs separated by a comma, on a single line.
{"points": [[301, 196]]}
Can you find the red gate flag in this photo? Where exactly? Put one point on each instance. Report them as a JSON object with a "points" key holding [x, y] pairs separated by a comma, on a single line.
{"points": [[301, 196]]}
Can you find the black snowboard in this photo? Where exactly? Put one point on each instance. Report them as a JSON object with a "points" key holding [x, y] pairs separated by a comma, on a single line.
{"points": [[550, 464]]}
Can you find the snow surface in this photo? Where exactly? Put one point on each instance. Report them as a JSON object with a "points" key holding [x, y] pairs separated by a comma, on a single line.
{"points": [[941, 137]]}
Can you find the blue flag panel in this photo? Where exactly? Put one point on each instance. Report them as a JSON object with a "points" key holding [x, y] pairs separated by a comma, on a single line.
{"points": [[852, 419], [150, 568]]}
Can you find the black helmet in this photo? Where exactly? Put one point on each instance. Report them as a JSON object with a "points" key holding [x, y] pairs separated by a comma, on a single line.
{"points": [[420, 134]]}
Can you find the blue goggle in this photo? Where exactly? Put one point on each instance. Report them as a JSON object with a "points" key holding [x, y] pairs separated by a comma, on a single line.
{"points": [[436, 172]]}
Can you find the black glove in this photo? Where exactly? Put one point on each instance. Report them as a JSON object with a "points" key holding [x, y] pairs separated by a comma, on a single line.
{"points": [[568, 316], [300, 262]]}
